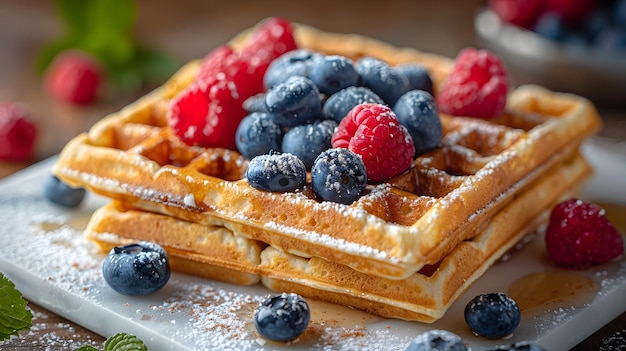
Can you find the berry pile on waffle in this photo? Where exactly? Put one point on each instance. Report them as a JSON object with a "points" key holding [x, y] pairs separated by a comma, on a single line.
{"points": [[416, 235]]}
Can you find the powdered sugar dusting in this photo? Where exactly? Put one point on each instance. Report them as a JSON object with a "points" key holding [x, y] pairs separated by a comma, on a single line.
{"points": [[43, 251]]}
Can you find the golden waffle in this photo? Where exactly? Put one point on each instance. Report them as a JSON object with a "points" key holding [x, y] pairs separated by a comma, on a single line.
{"points": [[424, 296], [400, 226]]}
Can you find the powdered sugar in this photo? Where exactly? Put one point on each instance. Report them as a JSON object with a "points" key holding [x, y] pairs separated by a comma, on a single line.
{"points": [[43, 251]]}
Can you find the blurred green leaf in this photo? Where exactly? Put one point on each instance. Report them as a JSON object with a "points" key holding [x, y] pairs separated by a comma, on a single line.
{"points": [[14, 316], [104, 29]]}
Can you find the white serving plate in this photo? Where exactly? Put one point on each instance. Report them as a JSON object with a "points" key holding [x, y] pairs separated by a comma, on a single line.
{"points": [[43, 253]]}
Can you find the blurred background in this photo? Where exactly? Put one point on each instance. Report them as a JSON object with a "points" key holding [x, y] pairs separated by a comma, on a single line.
{"points": [[138, 44]]}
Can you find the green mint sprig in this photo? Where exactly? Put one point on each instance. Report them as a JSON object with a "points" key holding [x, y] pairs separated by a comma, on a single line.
{"points": [[104, 29], [119, 342], [14, 316]]}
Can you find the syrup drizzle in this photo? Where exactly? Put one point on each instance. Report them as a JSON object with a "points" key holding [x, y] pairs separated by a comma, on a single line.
{"points": [[540, 291]]}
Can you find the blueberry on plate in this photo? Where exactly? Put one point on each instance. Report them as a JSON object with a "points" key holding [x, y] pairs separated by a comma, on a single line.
{"points": [[308, 141], [293, 63], [417, 112], [257, 134], [437, 340], [519, 346], [337, 105], [61, 193], [136, 269], [282, 317], [338, 175], [382, 79], [492, 315], [417, 76], [276, 172], [293, 102], [332, 73]]}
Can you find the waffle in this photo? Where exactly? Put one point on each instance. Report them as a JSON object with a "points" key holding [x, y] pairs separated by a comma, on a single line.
{"points": [[424, 296], [394, 230]]}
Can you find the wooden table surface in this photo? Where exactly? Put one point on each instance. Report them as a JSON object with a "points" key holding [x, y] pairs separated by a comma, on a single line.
{"points": [[188, 29]]}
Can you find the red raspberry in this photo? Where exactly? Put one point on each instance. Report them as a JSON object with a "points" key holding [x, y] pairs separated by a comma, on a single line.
{"points": [[214, 62], [574, 12], [579, 235], [208, 115], [521, 13], [374, 132], [476, 87], [271, 39], [208, 112], [73, 77], [17, 132]]}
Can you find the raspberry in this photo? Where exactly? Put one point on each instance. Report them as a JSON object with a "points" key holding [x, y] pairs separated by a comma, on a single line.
{"points": [[521, 13], [374, 132], [476, 87], [17, 132], [74, 77], [208, 112], [573, 12], [207, 116], [271, 39], [579, 235], [215, 62]]}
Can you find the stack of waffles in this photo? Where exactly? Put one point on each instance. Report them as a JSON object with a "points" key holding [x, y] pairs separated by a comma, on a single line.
{"points": [[406, 249]]}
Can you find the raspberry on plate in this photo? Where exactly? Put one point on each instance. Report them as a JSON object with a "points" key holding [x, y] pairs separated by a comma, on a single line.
{"points": [[74, 77], [374, 132], [579, 235], [17, 132], [476, 87]]}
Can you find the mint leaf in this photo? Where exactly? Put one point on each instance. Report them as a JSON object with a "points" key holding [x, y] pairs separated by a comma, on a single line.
{"points": [[14, 316], [104, 29], [123, 341]]}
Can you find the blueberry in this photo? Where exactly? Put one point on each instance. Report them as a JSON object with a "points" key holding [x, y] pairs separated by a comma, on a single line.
{"points": [[437, 340], [492, 315], [257, 134], [611, 39], [340, 103], [551, 26], [276, 172], [307, 141], [338, 175], [519, 346], [417, 112], [136, 269], [618, 12], [255, 103], [382, 79], [417, 76], [332, 73], [293, 63], [61, 193], [282, 317], [293, 102]]}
